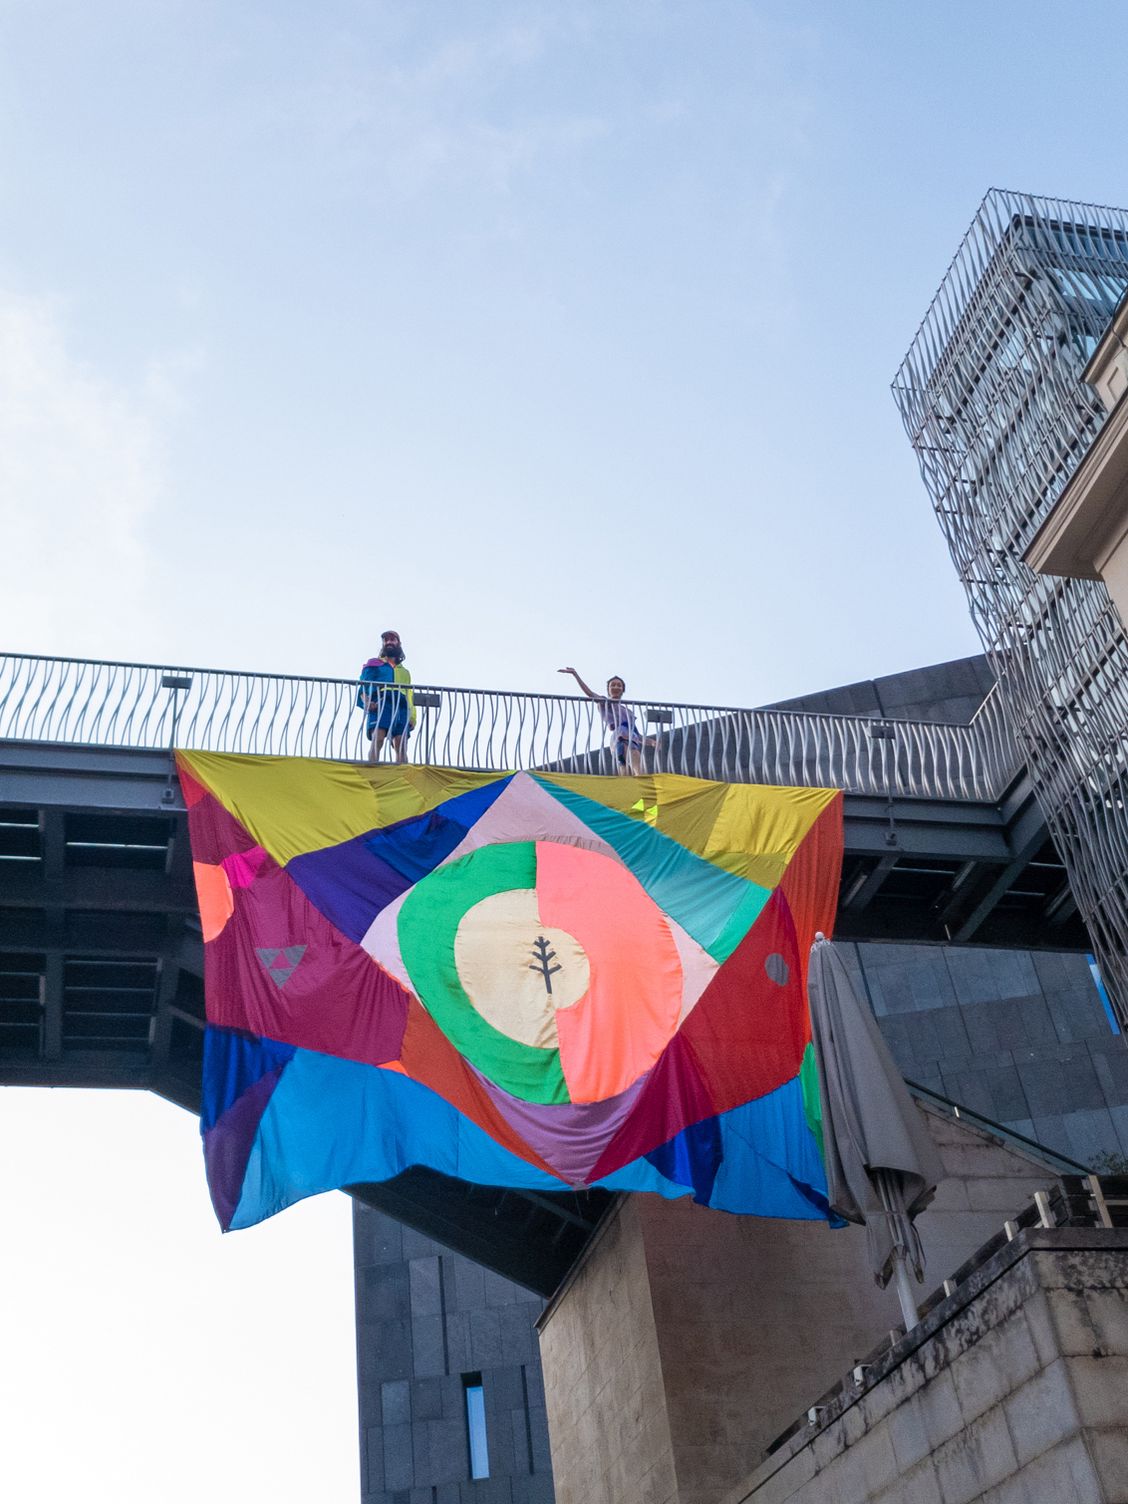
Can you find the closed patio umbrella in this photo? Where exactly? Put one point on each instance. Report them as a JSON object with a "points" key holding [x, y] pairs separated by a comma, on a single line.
{"points": [[881, 1164]]}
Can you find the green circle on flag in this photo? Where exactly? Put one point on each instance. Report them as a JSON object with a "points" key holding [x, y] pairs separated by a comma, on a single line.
{"points": [[427, 928]]}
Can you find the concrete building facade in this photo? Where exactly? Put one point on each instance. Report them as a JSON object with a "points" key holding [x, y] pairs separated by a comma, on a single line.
{"points": [[687, 1342]]}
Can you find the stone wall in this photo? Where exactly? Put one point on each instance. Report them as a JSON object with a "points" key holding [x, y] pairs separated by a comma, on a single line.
{"points": [[689, 1340], [1013, 1391], [610, 1433], [1021, 1037], [425, 1317]]}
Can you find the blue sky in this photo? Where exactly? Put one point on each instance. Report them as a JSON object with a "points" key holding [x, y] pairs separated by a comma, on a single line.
{"points": [[544, 333]]}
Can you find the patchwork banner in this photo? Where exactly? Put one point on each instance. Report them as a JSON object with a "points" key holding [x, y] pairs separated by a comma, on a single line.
{"points": [[534, 980]]}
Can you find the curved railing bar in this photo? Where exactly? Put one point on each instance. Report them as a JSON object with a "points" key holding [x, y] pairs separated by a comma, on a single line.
{"points": [[120, 704]]}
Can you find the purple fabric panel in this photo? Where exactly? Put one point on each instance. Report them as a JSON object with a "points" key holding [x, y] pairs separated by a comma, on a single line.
{"points": [[569, 1136], [227, 1146], [348, 883]]}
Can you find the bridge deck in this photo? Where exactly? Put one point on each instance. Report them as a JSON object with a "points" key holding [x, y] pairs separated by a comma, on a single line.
{"points": [[101, 958]]}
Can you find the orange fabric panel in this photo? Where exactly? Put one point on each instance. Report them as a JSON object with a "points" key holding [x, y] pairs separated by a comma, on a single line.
{"points": [[616, 1032], [213, 893]]}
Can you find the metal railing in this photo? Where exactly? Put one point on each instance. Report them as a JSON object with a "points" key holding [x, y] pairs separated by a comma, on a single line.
{"points": [[135, 705], [992, 396]]}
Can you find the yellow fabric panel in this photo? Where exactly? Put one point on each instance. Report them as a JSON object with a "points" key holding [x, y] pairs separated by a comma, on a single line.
{"points": [[751, 830], [288, 812], [769, 821], [684, 808]]}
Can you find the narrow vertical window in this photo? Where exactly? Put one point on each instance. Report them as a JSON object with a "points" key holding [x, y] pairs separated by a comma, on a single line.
{"points": [[476, 1425]]}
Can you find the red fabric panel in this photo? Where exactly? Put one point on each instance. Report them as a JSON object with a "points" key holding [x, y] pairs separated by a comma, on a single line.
{"points": [[617, 1031], [745, 1037], [215, 832], [193, 792], [335, 999], [811, 881]]}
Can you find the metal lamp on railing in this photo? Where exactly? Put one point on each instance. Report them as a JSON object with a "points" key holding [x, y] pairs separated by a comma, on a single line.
{"points": [[176, 684], [661, 717]]}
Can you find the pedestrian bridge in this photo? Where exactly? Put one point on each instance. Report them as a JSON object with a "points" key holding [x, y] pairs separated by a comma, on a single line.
{"points": [[100, 952]]}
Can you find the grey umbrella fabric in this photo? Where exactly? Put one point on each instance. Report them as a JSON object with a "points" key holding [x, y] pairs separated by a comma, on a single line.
{"points": [[881, 1164]]}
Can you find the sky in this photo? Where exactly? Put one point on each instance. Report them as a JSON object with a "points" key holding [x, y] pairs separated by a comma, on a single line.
{"points": [[545, 333]]}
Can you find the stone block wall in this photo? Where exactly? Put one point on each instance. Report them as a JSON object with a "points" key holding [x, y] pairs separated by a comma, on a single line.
{"points": [[1020, 1037], [424, 1318], [689, 1340], [1013, 1391], [611, 1437]]}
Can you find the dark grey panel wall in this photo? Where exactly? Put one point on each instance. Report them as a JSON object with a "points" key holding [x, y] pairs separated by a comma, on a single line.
{"points": [[1021, 1037], [950, 692], [424, 1318]]}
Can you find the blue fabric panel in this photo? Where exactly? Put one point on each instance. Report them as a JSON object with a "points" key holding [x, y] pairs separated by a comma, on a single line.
{"points": [[350, 883], [331, 1122], [347, 884], [232, 1064], [415, 847], [762, 1138], [692, 1158]]}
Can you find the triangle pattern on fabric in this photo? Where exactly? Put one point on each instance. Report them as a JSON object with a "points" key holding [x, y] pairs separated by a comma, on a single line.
{"points": [[280, 961]]}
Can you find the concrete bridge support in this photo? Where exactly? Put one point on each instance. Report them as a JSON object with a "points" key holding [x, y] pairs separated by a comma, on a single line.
{"points": [[686, 1341]]}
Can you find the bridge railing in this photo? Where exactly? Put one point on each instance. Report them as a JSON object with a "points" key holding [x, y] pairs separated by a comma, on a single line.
{"points": [[108, 704]]}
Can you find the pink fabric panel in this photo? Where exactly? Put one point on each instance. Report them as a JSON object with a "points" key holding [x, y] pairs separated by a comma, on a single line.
{"points": [[242, 866], [616, 1032]]}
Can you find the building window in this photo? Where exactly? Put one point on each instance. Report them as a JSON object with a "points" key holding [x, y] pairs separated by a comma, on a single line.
{"points": [[476, 1425]]}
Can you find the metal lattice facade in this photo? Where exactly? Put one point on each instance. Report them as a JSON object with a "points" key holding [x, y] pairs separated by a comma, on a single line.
{"points": [[992, 399]]}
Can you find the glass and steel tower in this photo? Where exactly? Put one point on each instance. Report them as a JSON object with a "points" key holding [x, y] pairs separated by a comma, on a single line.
{"points": [[991, 396]]}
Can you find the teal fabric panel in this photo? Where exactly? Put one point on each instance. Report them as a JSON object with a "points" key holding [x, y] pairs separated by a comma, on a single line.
{"points": [[716, 907]]}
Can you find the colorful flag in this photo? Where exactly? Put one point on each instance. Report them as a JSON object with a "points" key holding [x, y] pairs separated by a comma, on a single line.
{"points": [[535, 980]]}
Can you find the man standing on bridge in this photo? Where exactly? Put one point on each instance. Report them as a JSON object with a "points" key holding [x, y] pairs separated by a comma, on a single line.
{"points": [[388, 710]]}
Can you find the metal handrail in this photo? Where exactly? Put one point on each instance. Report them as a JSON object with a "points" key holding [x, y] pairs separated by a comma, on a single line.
{"points": [[118, 704], [1062, 1163]]}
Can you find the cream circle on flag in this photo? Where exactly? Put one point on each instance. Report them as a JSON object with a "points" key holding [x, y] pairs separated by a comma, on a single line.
{"points": [[517, 971], [547, 966]]}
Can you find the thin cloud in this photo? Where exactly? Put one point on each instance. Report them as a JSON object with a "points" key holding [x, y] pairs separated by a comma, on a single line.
{"points": [[428, 124], [81, 471]]}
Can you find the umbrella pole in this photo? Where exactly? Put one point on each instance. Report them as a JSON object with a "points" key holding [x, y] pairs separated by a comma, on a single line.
{"points": [[905, 1292]]}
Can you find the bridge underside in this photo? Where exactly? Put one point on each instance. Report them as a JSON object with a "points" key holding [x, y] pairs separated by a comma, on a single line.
{"points": [[101, 958]]}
